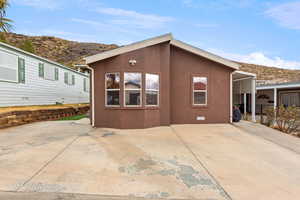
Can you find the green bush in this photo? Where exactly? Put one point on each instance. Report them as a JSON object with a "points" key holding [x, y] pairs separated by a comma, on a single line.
{"points": [[27, 46]]}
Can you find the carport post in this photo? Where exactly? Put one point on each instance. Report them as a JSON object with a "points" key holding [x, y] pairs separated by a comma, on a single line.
{"points": [[275, 98], [245, 104], [253, 97]]}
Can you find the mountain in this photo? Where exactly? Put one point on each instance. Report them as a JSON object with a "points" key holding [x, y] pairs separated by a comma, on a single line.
{"points": [[271, 75], [59, 50], [71, 52]]}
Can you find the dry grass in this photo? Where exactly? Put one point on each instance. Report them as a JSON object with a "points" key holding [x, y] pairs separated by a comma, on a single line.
{"points": [[41, 107]]}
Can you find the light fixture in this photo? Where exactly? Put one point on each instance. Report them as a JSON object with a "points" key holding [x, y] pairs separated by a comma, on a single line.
{"points": [[132, 62]]}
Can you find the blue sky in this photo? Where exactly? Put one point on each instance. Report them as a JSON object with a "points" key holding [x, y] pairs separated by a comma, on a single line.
{"points": [[256, 31]]}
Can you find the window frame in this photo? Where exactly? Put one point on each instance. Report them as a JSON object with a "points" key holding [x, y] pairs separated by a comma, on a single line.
{"points": [[56, 74], [152, 90], [194, 91], [141, 91], [106, 90]]}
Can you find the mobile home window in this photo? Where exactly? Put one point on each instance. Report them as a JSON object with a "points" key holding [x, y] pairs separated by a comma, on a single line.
{"points": [[199, 90], [152, 89], [41, 70], [73, 79], [112, 89], [21, 70], [84, 85], [8, 67], [132, 89]]}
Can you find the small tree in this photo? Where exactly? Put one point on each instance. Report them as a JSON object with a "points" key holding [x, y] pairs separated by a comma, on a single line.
{"points": [[27, 46], [2, 37], [287, 119]]}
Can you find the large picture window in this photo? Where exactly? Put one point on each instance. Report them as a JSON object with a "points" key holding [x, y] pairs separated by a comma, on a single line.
{"points": [[132, 89], [152, 89], [112, 89], [199, 90]]}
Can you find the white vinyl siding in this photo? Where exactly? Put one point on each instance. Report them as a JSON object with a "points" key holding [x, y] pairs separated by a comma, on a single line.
{"points": [[49, 72], [37, 90], [8, 67]]}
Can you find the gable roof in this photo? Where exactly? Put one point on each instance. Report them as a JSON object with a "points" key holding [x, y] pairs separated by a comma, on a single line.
{"points": [[158, 40]]}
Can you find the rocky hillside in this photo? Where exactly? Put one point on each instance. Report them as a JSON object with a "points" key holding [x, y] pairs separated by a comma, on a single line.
{"points": [[71, 52], [270, 75], [59, 50]]}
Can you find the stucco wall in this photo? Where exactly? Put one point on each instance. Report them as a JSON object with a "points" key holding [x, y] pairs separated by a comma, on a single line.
{"points": [[183, 66], [175, 68]]}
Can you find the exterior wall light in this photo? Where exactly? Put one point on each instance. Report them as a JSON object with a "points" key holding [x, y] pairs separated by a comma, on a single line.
{"points": [[132, 62]]}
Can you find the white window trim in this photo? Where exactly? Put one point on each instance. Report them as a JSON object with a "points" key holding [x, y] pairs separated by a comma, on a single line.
{"points": [[124, 95], [193, 95], [106, 90], [152, 90]]}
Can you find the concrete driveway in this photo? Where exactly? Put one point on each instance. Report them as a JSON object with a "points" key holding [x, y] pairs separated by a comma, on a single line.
{"points": [[65, 160]]}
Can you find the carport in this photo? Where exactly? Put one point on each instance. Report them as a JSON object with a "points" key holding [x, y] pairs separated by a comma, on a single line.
{"points": [[244, 91]]}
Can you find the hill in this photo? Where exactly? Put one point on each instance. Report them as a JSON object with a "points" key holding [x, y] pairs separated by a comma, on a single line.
{"points": [[71, 52], [59, 50]]}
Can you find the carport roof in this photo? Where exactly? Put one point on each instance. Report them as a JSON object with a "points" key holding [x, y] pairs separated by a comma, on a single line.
{"points": [[158, 40]]}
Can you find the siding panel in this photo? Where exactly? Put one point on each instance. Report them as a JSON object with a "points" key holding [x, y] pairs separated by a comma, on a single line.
{"points": [[39, 91]]}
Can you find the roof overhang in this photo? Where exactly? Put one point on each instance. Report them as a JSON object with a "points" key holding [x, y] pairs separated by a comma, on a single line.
{"points": [[278, 86], [205, 54], [241, 75], [158, 40], [128, 48]]}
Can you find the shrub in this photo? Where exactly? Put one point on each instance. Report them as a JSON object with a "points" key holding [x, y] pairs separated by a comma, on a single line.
{"points": [[286, 120], [27, 46]]}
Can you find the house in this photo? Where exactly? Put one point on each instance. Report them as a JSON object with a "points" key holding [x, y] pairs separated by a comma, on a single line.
{"points": [[162, 81], [27, 79], [274, 95]]}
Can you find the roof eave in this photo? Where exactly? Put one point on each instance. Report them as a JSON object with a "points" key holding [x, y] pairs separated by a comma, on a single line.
{"points": [[205, 54], [128, 48]]}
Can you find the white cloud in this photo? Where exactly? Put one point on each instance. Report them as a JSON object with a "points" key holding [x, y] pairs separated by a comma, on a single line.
{"points": [[260, 59], [41, 4], [218, 4], [136, 19], [287, 14]]}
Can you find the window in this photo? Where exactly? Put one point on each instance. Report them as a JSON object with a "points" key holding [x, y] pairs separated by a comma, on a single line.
{"points": [[56, 74], [21, 70], [132, 89], [199, 91], [152, 89], [41, 70], [8, 67], [112, 89]]}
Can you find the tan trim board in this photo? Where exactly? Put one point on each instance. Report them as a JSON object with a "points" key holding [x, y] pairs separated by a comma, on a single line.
{"points": [[204, 54], [128, 48]]}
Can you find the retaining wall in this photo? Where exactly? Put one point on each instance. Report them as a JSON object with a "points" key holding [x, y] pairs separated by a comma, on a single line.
{"points": [[15, 118]]}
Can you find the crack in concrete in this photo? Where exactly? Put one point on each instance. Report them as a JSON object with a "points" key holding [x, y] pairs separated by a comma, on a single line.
{"points": [[50, 161], [218, 185]]}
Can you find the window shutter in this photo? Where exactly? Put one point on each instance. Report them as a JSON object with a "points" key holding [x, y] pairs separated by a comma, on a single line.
{"points": [[73, 79], [56, 74], [41, 70], [84, 84], [21, 67], [66, 77]]}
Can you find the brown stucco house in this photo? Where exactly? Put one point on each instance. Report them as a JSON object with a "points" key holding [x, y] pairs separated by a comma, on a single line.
{"points": [[158, 82]]}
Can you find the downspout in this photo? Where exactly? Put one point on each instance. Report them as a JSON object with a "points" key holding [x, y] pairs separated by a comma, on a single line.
{"points": [[231, 97], [93, 95]]}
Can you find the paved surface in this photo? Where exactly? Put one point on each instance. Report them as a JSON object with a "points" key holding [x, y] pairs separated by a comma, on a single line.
{"points": [[70, 160], [275, 136]]}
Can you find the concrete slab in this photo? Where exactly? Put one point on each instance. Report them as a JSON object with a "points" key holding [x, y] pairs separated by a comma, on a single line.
{"points": [[149, 163], [247, 166], [275, 136]]}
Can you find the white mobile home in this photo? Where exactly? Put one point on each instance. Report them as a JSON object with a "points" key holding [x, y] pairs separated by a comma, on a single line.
{"points": [[27, 79]]}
